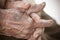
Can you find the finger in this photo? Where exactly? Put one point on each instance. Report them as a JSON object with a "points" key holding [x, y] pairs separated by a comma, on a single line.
{"points": [[14, 4], [42, 5], [39, 7], [38, 32], [26, 6], [13, 0], [22, 10], [39, 38], [46, 23], [10, 0], [35, 17], [36, 8]]}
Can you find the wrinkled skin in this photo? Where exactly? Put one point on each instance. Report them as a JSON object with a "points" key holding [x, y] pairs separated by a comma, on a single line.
{"points": [[19, 24], [39, 30]]}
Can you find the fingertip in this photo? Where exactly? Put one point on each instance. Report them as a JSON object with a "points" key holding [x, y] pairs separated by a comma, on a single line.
{"points": [[43, 4]]}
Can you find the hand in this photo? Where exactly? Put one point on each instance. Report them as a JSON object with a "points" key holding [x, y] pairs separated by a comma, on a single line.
{"points": [[40, 24], [18, 24]]}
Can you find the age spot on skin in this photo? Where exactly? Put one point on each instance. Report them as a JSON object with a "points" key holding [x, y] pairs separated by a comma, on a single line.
{"points": [[17, 17]]}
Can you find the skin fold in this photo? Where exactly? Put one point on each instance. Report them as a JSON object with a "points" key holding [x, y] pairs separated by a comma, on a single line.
{"points": [[31, 16]]}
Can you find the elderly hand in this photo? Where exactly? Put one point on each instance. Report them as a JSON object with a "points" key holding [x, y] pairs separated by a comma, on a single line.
{"points": [[20, 25], [40, 24]]}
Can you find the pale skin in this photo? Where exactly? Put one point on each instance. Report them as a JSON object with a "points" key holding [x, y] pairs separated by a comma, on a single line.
{"points": [[37, 20], [40, 30]]}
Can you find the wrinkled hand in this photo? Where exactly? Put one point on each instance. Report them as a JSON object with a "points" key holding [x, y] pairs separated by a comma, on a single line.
{"points": [[14, 23], [40, 24], [19, 24]]}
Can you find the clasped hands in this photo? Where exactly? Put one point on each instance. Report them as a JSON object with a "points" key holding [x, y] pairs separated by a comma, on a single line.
{"points": [[23, 22]]}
